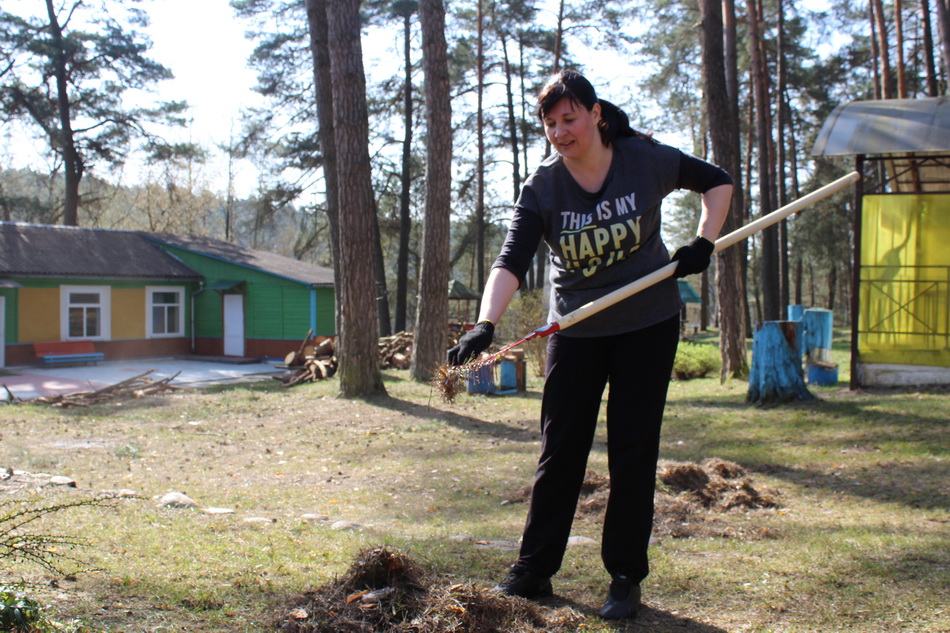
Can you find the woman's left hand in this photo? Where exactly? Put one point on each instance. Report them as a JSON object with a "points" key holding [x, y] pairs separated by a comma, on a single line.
{"points": [[694, 257]]}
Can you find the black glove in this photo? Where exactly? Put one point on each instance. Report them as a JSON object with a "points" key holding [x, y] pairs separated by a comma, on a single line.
{"points": [[472, 344], [693, 258]]}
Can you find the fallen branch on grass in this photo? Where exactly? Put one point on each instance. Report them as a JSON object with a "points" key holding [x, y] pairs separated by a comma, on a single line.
{"points": [[135, 387]]}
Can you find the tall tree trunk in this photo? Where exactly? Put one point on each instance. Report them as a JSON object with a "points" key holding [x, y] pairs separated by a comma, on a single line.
{"points": [[887, 80], [559, 37], [769, 236], [73, 166], [359, 371], [875, 58], [379, 272], [541, 255], [512, 122], [932, 90], [433, 311], [782, 147], [943, 21], [523, 91], [899, 35], [723, 120], [319, 48], [405, 224], [739, 207], [799, 273], [480, 164], [832, 286]]}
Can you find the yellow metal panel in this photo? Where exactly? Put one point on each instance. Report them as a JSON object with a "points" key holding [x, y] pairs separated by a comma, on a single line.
{"points": [[128, 313], [39, 315], [905, 280]]}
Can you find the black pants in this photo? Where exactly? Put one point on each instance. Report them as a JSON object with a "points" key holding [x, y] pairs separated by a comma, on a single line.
{"points": [[637, 366]]}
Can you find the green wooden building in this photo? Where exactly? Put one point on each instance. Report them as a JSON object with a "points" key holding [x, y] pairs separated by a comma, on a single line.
{"points": [[137, 295]]}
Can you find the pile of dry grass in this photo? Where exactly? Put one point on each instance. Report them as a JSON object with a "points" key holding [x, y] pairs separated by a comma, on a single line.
{"points": [[385, 591], [692, 500]]}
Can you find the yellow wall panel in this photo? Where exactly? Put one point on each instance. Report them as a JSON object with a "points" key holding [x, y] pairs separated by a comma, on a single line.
{"points": [[39, 315], [128, 314], [905, 280]]}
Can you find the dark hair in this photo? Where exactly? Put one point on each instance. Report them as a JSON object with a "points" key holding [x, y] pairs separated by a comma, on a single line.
{"points": [[570, 84]]}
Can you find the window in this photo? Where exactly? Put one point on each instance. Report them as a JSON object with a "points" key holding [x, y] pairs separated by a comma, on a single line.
{"points": [[85, 312], [166, 311]]}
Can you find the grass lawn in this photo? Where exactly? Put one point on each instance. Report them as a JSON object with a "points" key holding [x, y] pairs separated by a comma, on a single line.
{"points": [[858, 543]]}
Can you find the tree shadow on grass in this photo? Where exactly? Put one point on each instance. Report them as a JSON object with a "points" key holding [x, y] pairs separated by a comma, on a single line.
{"points": [[648, 619], [914, 485], [463, 422]]}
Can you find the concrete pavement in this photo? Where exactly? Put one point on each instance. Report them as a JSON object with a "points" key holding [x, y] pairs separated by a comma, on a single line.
{"points": [[33, 381]]}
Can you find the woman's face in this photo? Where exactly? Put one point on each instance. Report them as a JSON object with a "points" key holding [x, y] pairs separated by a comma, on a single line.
{"points": [[571, 128]]}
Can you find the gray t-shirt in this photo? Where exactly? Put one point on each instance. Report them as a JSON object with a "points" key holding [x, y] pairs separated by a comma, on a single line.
{"points": [[601, 241]]}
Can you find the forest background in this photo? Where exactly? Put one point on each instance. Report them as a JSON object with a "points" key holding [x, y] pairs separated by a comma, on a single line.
{"points": [[744, 85]]}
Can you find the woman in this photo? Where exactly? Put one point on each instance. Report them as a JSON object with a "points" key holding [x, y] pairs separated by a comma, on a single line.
{"points": [[596, 202]]}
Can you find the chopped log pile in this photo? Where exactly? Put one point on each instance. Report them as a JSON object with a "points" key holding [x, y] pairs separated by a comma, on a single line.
{"points": [[310, 363], [395, 352], [136, 387]]}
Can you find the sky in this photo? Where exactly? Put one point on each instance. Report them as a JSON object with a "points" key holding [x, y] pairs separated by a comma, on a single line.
{"points": [[203, 43]]}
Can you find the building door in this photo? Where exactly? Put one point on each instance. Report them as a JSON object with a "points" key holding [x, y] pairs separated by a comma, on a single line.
{"points": [[3, 332], [234, 325]]}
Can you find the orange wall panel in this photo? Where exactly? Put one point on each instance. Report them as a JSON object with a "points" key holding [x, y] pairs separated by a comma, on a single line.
{"points": [[39, 315], [128, 313]]}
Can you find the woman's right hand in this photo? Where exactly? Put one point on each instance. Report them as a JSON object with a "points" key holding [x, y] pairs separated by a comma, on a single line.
{"points": [[472, 344]]}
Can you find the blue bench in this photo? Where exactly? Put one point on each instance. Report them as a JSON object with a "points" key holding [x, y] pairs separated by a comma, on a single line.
{"points": [[67, 352]]}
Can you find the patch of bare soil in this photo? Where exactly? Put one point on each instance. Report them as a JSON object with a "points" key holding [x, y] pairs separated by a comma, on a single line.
{"points": [[385, 591], [692, 500]]}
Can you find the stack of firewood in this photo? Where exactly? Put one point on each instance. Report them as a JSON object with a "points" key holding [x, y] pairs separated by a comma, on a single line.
{"points": [[395, 352], [309, 364]]}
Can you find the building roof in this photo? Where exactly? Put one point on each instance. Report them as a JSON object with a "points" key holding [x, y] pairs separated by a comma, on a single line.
{"points": [[687, 293], [888, 126], [458, 290], [259, 260], [40, 250], [43, 250]]}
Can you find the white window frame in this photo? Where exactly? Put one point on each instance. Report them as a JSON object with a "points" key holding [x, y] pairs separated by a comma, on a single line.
{"points": [[149, 325], [105, 312]]}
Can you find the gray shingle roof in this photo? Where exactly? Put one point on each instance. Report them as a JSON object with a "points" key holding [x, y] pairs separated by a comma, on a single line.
{"points": [[65, 251], [259, 260], [40, 250]]}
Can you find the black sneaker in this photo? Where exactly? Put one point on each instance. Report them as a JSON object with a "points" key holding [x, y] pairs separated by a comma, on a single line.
{"points": [[521, 582], [623, 599]]}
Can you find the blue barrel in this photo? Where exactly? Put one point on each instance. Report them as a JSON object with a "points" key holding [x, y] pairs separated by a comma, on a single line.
{"points": [[481, 380], [823, 375], [795, 312]]}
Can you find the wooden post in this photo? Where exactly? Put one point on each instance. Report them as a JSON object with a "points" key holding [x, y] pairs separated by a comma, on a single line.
{"points": [[776, 374]]}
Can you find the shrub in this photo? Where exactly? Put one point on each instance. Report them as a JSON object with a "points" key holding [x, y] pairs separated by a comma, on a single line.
{"points": [[50, 552], [17, 612], [527, 312], [695, 361]]}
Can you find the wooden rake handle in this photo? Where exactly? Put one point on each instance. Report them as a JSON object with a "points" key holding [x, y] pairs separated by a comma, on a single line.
{"points": [[725, 241]]}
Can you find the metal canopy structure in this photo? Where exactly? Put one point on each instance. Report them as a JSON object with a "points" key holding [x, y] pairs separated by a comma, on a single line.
{"points": [[889, 126], [901, 148], [910, 138]]}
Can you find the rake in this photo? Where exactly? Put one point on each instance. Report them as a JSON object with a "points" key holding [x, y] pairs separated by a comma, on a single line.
{"points": [[449, 379]]}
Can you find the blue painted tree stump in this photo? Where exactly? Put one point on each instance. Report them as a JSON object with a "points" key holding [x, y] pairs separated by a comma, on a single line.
{"points": [[776, 374]]}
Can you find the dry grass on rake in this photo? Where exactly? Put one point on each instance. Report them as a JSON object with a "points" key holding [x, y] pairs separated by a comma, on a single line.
{"points": [[385, 591]]}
